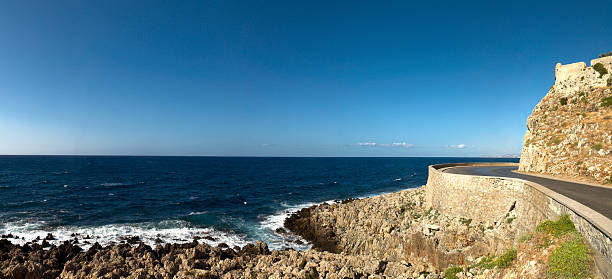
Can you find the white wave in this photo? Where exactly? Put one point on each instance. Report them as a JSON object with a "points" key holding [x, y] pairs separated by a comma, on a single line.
{"points": [[197, 212], [174, 231], [276, 220], [376, 194], [271, 223]]}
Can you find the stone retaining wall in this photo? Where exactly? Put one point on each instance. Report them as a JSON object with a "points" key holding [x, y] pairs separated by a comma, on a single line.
{"points": [[489, 199]]}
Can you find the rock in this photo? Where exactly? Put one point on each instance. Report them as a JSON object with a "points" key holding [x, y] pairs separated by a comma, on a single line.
{"points": [[432, 227], [382, 265], [96, 246], [429, 229], [306, 225], [259, 248], [49, 237], [379, 237], [568, 132], [133, 240]]}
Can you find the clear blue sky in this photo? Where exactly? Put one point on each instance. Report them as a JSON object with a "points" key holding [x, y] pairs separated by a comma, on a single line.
{"points": [[283, 78]]}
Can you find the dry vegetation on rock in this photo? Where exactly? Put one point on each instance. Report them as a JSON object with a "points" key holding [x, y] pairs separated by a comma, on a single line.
{"points": [[570, 130]]}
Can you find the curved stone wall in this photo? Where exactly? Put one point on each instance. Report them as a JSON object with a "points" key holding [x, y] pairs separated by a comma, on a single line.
{"points": [[489, 199]]}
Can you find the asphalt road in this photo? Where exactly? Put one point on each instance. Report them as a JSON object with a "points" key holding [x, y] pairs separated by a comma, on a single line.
{"points": [[597, 198]]}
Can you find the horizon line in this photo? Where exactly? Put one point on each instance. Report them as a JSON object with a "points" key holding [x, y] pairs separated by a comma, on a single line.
{"points": [[248, 156]]}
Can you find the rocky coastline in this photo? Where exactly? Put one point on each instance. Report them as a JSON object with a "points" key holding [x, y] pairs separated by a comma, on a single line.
{"points": [[388, 236]]}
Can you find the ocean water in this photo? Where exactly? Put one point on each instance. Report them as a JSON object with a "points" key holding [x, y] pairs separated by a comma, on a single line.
{"points": [[234, 200]]}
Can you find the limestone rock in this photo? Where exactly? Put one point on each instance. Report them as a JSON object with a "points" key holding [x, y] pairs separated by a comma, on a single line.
{"points": [[569, 132]]}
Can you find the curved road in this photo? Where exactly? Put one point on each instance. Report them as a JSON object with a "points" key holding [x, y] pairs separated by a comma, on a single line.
{"points": [[597, 198]]}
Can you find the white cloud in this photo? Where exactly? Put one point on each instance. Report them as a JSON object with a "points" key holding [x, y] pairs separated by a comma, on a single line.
{"points": [[402, 144], [367, 143], [459, 146], [395, 144]]}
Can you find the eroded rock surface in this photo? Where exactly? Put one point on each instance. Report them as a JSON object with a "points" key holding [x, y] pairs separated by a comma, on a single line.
{"points": [[569, 132], [398, 228], [389, 236]]}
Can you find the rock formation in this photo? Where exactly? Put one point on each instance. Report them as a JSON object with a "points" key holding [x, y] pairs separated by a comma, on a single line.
{"points": [[400, 230], [389, 236], [569, 132]]}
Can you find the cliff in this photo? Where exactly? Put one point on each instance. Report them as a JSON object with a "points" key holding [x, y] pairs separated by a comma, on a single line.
{"points": [[569, 132]]}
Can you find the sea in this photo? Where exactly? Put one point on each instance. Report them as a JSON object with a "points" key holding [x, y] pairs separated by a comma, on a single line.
{"points": [[231, 200]]}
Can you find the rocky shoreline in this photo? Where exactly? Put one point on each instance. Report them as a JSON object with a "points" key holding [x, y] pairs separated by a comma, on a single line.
{"points": [[388, 236]]}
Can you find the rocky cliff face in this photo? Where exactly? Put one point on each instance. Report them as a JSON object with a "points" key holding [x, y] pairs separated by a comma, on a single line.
{"points": [[569, 132], [414, 240], [398, 227]]}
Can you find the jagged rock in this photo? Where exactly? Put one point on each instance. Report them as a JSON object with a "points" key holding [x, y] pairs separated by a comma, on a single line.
{"points": [[569, 133], [259, 248], [380, 237], [306, 224], [428, 229], [133, 240]]}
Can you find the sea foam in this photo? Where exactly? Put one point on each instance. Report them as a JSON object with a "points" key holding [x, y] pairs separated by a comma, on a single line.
{"points": [[170, 231]]}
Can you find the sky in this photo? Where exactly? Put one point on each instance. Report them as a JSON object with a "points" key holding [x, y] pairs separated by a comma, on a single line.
{"points": [[283, 78]]}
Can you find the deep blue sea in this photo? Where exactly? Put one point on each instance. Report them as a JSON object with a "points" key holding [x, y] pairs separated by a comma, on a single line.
{"points": [[235, 200]]}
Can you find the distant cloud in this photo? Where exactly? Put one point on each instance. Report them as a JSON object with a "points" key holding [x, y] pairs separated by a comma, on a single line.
{"points": [[367, 143], [402, 144], [458, 146], [395, 144], [268, 144]]}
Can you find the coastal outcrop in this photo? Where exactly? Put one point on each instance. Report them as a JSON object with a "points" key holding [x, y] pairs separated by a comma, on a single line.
{"points": [[402, 229], [569, 132], [35, 260], [189, 260], [394, 227], [395, 235]]}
